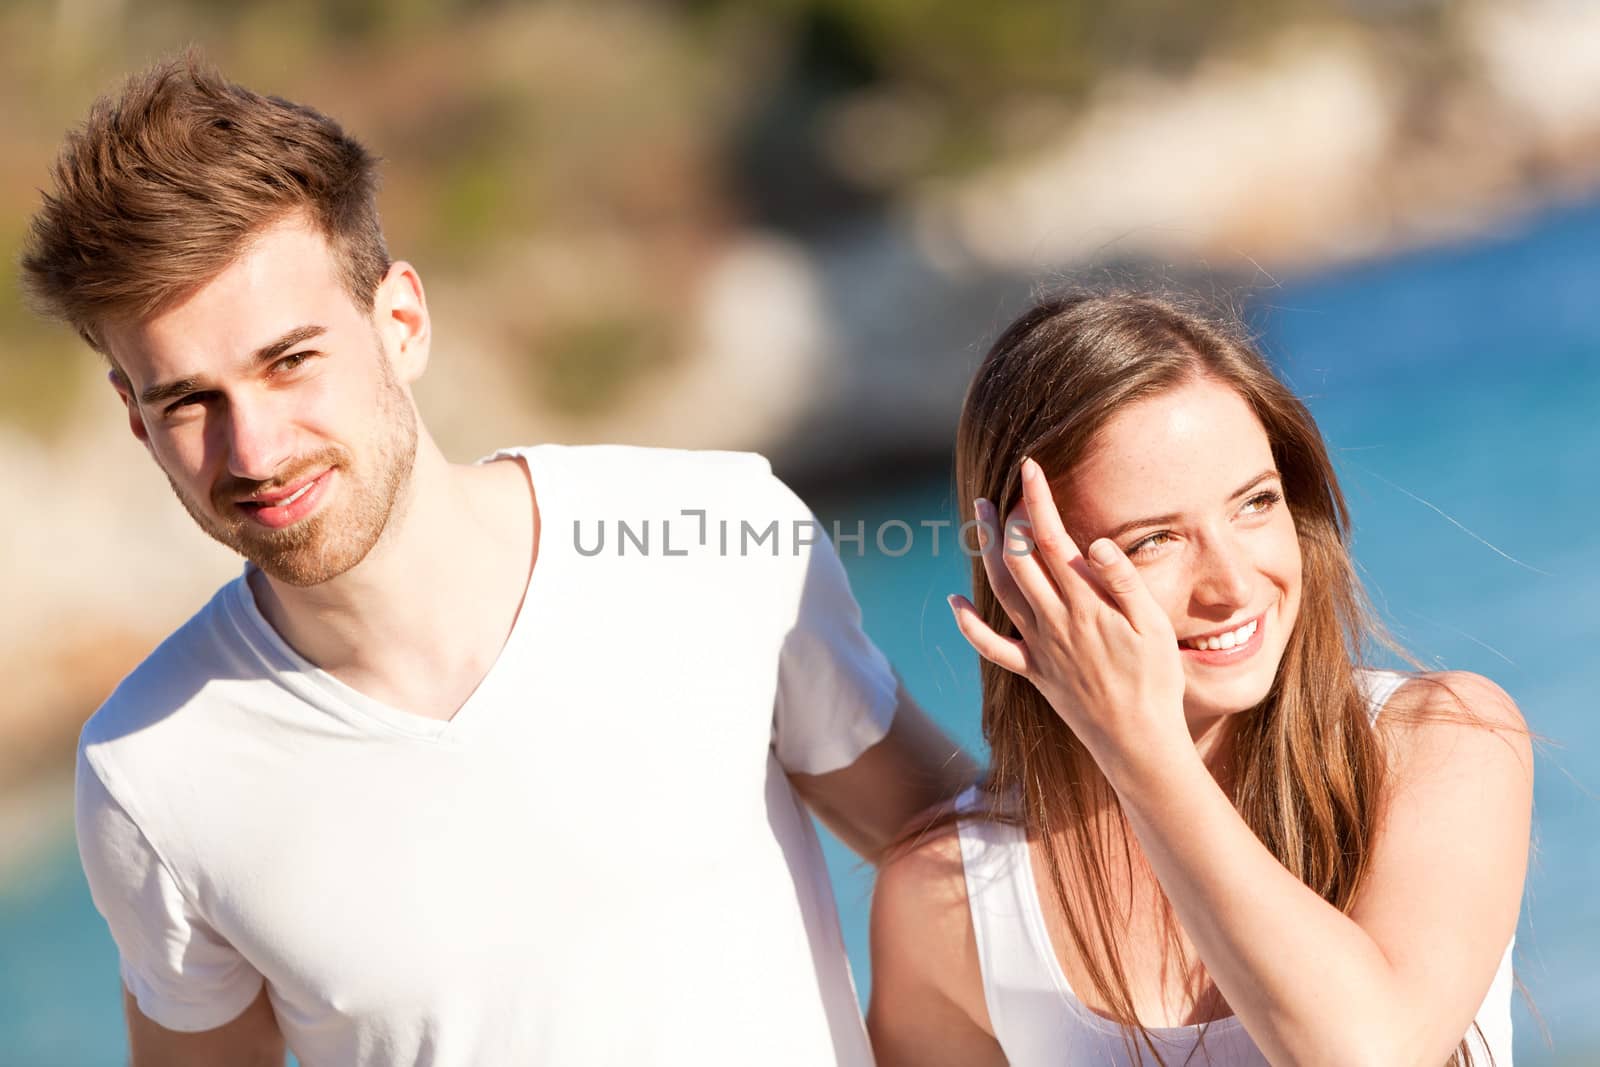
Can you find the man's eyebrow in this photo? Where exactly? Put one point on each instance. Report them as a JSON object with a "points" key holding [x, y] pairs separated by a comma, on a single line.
{"points": [[165, 391], [1163, 520]]}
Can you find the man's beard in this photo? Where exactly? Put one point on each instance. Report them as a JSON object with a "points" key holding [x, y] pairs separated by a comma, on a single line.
{"points": [[341, 533]]}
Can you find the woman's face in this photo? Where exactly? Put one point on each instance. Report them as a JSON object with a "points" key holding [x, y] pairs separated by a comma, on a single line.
{"points": [[1185, 483]]}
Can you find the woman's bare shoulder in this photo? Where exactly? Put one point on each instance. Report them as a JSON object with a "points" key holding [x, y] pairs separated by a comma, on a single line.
{"points": [[1441, 708], [927, 987], [922, 878], [1436, 695], [1457, 730], [924, 873]]}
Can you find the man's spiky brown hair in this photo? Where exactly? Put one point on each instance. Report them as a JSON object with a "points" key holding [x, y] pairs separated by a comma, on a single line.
{"points": [[163, 187]]}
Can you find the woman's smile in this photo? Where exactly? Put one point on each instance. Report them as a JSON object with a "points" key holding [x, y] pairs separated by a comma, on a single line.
{"points": [[1186, 482], [1226, 647]]}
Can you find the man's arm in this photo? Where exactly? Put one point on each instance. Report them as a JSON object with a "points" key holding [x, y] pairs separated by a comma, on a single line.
{"points": [[251, 1040], [188, 975], [913, 768]]}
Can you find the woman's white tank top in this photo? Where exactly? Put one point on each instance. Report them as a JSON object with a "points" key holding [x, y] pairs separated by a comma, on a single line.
{"points": [[1040, 1022]]}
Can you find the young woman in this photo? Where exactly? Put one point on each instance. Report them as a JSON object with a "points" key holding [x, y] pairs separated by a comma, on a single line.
{"points": [[1210, 834]]}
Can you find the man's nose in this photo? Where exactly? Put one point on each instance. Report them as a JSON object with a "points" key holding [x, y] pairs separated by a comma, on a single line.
{"points": [[258, 438]]}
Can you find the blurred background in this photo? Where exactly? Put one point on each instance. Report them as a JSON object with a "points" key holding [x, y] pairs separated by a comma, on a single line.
{"points": [[793, 226]]}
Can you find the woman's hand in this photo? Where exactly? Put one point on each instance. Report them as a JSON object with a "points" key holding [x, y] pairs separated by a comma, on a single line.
{"points": [[1093, 640]]}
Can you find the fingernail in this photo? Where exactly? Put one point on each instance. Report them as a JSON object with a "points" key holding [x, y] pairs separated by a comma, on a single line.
{"points": [[1103, 552], [1028, 467], [951, 600]]}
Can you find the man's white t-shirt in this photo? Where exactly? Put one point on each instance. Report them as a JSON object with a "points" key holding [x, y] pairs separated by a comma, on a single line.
{"points": [[597, 860]]}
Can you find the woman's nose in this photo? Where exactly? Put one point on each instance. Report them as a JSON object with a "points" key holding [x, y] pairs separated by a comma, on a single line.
{"points": [[1223, 578]]}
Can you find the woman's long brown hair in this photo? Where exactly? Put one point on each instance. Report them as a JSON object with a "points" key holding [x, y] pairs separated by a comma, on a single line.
{"points": [[1309, 768]]}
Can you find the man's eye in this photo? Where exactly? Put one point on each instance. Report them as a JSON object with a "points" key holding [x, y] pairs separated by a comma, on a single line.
{"points": [[293, 360], [186, 401]]}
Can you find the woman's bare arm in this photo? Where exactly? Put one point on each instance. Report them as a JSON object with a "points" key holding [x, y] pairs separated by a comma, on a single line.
{"points": [[1399, 979], [927, 1007]]}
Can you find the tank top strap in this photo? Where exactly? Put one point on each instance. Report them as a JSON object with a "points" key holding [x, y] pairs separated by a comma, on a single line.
{"points": [[1379, 686], [995, 864]]}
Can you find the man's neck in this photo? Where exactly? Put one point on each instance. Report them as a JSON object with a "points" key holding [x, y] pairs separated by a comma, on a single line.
{"points": [[418, 622]]}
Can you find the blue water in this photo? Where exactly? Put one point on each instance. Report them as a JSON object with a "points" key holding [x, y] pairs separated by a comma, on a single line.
{"points": [[1460, 390]]}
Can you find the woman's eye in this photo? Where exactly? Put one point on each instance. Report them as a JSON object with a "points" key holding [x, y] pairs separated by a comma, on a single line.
{"points": [[1264, 501], [1146, 546], [290, 362]]}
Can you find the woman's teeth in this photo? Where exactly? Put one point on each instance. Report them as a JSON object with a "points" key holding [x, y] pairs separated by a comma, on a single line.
{"points": [[1223, 641]]}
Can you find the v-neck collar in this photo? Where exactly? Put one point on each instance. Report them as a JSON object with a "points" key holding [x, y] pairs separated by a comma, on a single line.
{"points": [[323, 690]]}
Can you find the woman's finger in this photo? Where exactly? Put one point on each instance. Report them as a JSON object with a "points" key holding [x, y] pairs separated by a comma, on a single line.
{"points": [[1018, 555], [1005, 652], [992, 543], [1062, 561], [1120, 579]]}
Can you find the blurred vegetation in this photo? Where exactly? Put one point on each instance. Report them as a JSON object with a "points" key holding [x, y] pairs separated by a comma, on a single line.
{"points": [[591, 155]]}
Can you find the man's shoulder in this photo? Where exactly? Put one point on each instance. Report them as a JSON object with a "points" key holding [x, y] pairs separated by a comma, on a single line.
{"points": [[173, 674], [646, 463], [633, 476]]}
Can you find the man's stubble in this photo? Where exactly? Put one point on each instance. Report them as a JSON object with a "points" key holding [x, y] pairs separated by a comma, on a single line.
{"points": [[337, 537]]}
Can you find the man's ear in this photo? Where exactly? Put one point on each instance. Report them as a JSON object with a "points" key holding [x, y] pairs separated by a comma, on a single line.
{"points": [[400, 310], [125, 391]]}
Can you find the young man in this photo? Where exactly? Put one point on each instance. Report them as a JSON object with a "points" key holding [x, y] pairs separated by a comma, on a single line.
{"points": [[434, 781]]}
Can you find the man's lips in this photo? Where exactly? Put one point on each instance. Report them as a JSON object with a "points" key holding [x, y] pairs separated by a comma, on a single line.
{"points": [[288, 504], [268, 497]]}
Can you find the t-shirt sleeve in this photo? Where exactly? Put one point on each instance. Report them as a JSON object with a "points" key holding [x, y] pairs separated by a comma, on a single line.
{"points": [[184, 976], [836, 691]]}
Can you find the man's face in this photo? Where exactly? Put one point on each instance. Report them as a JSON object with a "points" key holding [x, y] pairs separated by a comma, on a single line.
{"points": [[276, 406]]}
